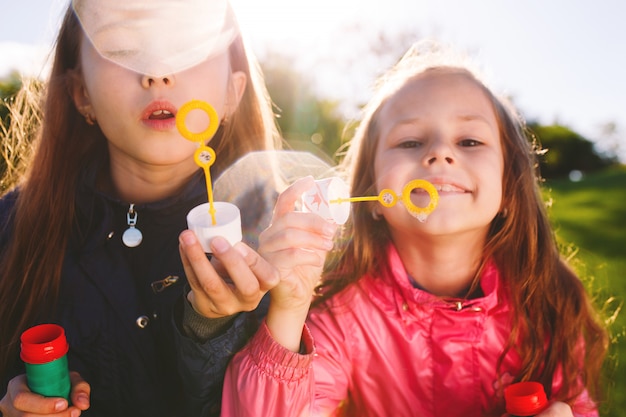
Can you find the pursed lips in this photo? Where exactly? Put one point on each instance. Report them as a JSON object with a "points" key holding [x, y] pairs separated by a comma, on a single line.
{"points": [[159, 110], [161, 115]]}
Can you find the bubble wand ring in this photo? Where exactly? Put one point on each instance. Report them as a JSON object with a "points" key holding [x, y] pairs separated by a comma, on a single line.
{"points": [[204, 155], [205, 135], [420, 212]]}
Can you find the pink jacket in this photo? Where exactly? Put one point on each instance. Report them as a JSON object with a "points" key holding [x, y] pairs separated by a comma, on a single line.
{"points": [[384, 348]]}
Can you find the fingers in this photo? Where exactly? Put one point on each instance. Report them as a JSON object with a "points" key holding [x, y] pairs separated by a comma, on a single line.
{"points": [[210, 295], [249, 277], [81, 391], [296, 239], [557, 409], [247, 269], [197, 265], [297, 230], [20, 399], [297, 233], [287, 199]]}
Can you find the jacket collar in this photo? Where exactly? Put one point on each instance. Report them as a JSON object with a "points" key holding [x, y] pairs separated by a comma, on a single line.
{"points": [[397, 275]]}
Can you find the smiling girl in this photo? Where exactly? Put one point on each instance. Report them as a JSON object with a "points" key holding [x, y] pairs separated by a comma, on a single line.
{"points": [[430, 318]]}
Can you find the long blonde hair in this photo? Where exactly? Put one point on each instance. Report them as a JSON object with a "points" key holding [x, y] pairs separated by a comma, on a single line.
{"points": [[549, 300]]}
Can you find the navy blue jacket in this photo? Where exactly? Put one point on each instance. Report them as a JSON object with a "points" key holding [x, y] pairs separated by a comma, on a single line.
{"points": [[122, 333]]}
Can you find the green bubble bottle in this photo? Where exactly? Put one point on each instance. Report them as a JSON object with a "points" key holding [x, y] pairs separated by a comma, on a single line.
{"points": [[44, 352]]}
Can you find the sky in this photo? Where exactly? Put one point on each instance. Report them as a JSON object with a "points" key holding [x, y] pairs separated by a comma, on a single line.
{"points": [[562, 61]]}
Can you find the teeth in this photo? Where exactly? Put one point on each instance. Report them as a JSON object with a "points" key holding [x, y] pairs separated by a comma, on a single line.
{"points": [[446, 188], [161, 112]]}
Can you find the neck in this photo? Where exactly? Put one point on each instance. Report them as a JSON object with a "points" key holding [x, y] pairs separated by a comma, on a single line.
{"points": [[144, 184], [442, 265]]}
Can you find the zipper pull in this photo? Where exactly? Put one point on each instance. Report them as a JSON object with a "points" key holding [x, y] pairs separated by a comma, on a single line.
{"points": [[132, 236], [158, 286]]}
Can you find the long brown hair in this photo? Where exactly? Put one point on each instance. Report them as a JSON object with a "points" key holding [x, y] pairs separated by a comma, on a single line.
{"points": [[555, 326], [31, 261]]}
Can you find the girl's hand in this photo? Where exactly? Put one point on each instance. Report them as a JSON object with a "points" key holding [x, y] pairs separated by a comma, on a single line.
{"points": [[296, 244], [20, 400], [556, 409], [250, 276]]}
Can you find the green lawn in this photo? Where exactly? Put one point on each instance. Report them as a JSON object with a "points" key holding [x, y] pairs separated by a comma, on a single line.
{"points": [[589, 217]]}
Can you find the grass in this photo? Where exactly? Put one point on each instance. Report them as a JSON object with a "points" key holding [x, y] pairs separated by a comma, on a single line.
{"points": [[589, 217]]}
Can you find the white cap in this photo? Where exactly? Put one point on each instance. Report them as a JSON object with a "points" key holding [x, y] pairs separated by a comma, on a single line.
{"points": [[227, 223], [329, 198], [157, 37]]}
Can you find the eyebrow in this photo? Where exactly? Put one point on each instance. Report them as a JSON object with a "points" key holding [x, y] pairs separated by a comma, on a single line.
{"points": [[462, 117], [473, 117]]}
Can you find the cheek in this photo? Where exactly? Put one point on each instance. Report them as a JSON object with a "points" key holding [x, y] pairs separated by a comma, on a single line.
{"points": [[211, 78], [383, 173], [394, 171], [110, 105], [108, 90], [496, 194]]}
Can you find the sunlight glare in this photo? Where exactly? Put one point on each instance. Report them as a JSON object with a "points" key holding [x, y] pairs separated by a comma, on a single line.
{"points": [[280, 20]]}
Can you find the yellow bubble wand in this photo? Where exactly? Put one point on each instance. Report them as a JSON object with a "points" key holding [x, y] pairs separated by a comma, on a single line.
{"points": [[389, 198], [205, 155]]}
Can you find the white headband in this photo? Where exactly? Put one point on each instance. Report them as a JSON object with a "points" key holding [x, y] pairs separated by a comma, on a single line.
{"points": [[157, 37]]}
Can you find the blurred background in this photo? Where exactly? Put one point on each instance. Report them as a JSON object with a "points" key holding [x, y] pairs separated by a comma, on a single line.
{"points": [[561, 62]]}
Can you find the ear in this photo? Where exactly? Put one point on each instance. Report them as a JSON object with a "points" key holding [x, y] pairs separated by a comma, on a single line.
{"points": [[237, 86], [79, 94]]}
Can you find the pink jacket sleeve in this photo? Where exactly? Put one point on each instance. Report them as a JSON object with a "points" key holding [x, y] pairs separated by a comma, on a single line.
{"points": [[584, 406], [265, 379]]}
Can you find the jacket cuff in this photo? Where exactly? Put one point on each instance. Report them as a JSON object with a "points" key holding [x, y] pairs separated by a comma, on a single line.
{"points": [[274, 359], [200, 328]]}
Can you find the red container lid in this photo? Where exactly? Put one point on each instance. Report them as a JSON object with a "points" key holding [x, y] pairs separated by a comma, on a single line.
{"points": [[43, 343], [525, 398]]}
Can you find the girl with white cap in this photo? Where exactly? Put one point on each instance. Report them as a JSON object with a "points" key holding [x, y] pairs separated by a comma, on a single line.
{"points": [[91, 238]]}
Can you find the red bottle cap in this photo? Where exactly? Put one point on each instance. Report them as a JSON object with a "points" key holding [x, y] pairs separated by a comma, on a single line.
{"points": [[43, 343], [525, 398]]}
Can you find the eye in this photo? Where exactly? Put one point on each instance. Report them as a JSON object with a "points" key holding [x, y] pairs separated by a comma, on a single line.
{"points": [[409, 143], [469, 142]]}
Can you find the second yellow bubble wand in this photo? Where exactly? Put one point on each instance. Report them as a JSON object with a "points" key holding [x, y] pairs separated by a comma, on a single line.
{"points": [[205, 155], [388, 198]]}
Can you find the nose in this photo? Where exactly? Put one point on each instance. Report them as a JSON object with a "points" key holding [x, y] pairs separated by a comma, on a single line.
{"points": [[439, 151], [148, 81]]}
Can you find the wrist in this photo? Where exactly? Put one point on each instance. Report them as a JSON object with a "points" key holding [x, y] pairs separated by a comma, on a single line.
{"points": [[286, 325], [197, 307], [200, 328]]}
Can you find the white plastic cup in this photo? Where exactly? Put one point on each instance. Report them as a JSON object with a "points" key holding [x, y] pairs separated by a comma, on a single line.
{"points": [[319, 199], [227, 219]]}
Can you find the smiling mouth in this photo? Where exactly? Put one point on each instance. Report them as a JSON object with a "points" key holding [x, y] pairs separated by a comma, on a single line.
{"points": [[421, 198], [161, 115], [448, 188], [441, 188]]}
